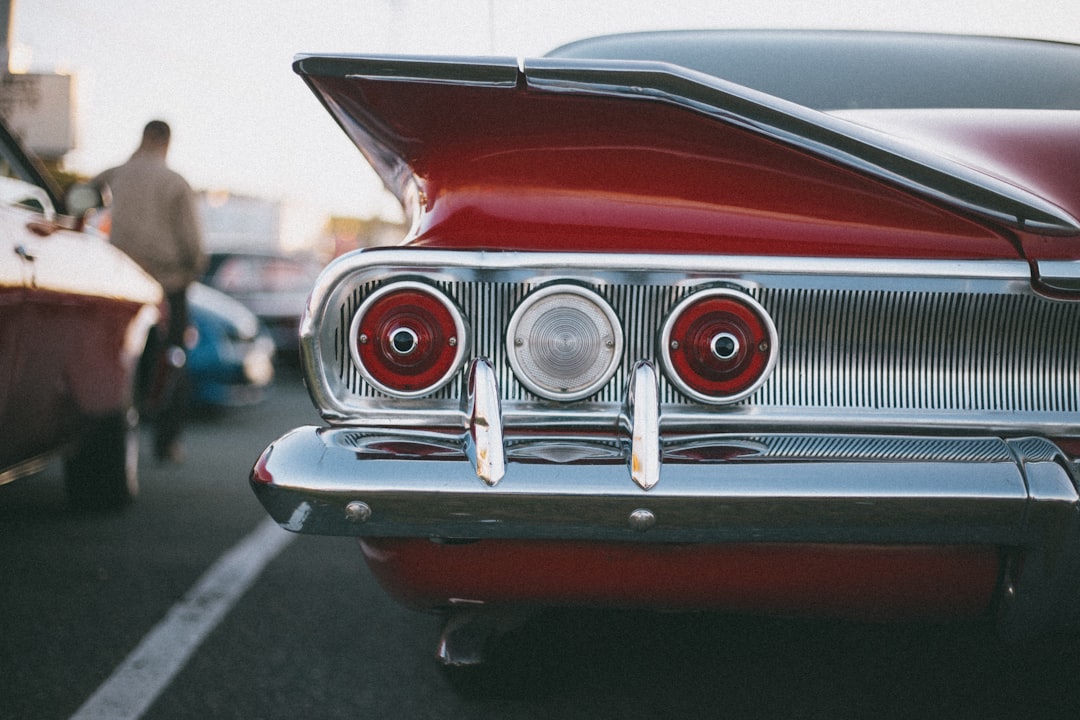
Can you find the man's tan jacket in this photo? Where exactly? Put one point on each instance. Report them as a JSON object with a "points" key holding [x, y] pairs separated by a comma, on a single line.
{"points": [[154, 219]]}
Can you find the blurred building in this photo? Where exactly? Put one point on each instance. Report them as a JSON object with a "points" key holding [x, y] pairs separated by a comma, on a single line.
{"points": [[238, 222], [344, 234], [38, 108]]}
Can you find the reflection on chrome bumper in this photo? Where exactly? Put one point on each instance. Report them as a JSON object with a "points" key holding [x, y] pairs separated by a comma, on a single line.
{"points": [[777, 488]]}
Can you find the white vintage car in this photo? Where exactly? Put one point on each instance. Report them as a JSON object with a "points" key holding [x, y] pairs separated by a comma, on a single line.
{"points": [[75, 317]]}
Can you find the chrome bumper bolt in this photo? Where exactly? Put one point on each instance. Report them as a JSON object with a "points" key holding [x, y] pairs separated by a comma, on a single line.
{"points": [[357, 512], [641, 520]]}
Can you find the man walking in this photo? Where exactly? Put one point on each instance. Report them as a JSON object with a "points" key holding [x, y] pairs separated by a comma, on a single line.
{"points": [[155, 222]]}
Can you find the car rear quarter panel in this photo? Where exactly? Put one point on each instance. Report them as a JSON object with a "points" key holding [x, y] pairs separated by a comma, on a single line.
{"points": [[513, 169], [1038, 151]]}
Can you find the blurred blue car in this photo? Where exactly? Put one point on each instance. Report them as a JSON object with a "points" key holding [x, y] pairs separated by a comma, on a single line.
{"points": [[232, 361], [273, 286]]}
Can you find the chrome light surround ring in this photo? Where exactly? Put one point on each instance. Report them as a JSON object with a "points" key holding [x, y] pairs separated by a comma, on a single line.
{"points": [[564, 342], [766, 345], [460, 338]]}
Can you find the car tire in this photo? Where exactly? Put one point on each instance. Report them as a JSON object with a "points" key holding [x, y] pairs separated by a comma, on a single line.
{"points": [[102, 473]]}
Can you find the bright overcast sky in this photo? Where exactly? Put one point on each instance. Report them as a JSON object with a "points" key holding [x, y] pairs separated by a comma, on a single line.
{"points": [[220, 70]]}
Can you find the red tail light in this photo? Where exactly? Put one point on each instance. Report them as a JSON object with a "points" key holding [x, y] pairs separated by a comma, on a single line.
{"points": [[407, 339], [718, 345]]}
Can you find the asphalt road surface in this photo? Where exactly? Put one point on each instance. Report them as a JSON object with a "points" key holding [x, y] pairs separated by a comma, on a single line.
{"points": [[188, 605]]}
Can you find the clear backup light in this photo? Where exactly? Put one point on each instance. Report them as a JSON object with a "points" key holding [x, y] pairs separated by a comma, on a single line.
{"points": [[718, 345], [407, 339], [564, 342]]}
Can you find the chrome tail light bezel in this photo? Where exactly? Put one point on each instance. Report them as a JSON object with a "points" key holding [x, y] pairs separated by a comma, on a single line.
{"points": [[457, 341], [754, 347], [610, 337]]}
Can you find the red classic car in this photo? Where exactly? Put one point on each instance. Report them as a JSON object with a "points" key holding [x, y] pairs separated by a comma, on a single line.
{"points": [[767, 322], [75, 315]]}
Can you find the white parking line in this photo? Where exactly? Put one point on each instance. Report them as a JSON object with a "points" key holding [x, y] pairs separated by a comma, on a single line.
{"points": [[137, 682]]}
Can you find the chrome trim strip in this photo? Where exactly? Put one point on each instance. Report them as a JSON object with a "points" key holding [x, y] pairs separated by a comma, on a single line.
{"points": [[887, 498], [1059, 274], [558, 264], [485, 71]]}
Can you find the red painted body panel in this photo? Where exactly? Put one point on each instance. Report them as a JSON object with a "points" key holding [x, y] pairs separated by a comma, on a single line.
{"points": [[61, 375], [514, 169], [69, 338], [1038, 151], [870, 582]]}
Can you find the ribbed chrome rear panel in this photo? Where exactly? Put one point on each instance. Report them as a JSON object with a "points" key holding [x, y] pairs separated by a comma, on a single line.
{"points": [[864, 344], [923, 351]]}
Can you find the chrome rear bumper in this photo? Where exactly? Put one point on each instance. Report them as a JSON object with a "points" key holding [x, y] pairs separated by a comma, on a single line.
{"points": [[775, 488], [1015, 494]]}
